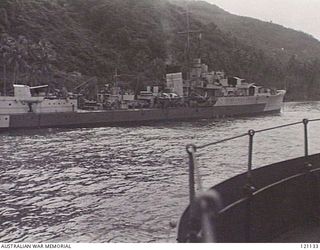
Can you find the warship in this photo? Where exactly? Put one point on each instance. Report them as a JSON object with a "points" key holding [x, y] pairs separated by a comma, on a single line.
{"points": [[215, 96]]}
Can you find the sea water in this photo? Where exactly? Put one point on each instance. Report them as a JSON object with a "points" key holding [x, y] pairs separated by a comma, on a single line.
{"points": [[126, 184]]}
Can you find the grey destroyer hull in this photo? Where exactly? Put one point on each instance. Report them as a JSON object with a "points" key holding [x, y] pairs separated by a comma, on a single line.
{"points": [[115, 117], [223, 107]]}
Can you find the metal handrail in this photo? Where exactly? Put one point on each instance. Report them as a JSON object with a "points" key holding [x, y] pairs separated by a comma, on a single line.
{"points": [[256, 131], [249, 188], [221, 141]]}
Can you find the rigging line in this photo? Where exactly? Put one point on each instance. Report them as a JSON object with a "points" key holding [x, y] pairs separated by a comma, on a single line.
{"points": [[314, 120], [224, 140], [281, 126], [257, 131]]}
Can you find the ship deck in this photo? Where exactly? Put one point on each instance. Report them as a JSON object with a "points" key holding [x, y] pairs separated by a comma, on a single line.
{"points": [[306, 234]]}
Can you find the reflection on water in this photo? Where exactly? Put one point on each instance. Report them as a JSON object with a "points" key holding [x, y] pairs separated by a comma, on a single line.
{"points": [[125, 184]]}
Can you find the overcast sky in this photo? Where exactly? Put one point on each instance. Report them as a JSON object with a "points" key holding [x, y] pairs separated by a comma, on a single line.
{"points": [[301, 15]]}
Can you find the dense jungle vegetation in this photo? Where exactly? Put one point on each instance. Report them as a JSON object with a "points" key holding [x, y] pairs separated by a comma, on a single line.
{"points": [[66, 42]]}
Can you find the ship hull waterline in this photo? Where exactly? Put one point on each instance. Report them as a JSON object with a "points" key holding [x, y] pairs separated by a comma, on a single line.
{"points": [[123, 117]]}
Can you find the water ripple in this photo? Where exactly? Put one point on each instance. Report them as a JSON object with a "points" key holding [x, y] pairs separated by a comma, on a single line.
{"points": [[125, 184]]}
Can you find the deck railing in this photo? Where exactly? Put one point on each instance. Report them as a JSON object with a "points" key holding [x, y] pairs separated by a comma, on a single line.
{"points": [[249, 187]]}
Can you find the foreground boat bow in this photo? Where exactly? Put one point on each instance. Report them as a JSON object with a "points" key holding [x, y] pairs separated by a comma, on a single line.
{"points": [[276, 203]]}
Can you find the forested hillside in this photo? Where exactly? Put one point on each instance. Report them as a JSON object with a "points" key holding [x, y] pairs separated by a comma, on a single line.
{"points": [[66, 42]]}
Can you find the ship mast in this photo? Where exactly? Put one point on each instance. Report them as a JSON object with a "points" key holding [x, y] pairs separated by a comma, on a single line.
{"points": [[188, 41], [188, 32]]}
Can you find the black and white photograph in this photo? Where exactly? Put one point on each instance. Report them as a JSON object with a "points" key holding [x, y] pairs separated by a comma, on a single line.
{"points": [[159, 121]]}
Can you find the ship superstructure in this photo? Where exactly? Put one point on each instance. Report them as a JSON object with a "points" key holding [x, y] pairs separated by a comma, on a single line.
{"points": [[28, 99]]}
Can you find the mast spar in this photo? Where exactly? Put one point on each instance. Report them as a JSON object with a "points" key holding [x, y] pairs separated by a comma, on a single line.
{"points": [[188, 32]]}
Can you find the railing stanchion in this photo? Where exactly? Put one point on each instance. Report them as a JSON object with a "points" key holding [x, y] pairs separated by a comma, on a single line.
{"points": [[251, 134], [191, 149], [249, 188], [305, 123]]}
